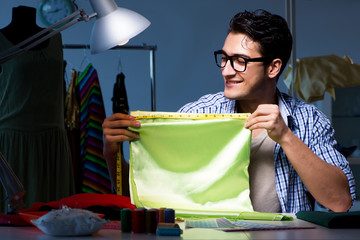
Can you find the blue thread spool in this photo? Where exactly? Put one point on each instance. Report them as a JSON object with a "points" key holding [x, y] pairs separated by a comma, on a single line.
{"points": [[168, 231], [169, 215], [125, 218]]}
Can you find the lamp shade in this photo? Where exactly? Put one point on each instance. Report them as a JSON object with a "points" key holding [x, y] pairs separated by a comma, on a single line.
{"points": [[114, 25]]}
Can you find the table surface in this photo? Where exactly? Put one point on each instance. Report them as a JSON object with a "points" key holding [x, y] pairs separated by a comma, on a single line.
{"points": [[317, 232]]}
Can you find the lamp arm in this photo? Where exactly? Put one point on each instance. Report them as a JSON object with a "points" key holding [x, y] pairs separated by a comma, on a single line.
{"points": [[44, 35]]}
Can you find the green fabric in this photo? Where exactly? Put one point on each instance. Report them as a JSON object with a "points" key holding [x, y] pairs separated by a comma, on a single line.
{"points": [[332, 219], [195, 166], [263, 216], [32, 133]]}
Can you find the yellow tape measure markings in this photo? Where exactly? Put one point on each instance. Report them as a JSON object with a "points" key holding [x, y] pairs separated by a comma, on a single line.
{"points": [[149, 115], [118, 172]]}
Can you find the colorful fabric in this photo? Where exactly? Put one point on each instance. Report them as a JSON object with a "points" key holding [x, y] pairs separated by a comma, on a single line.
{"points": [[307, 123], [190, 164], [92, 114]]}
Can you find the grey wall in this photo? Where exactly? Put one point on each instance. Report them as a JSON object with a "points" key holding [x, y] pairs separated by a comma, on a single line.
{"points": [[186, 33]]}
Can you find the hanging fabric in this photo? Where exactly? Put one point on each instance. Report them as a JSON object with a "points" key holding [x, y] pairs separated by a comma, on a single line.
{"points": [[119, 99], [72, 121], [316, 75], [95, 177], [71, 104], [196, 164]]}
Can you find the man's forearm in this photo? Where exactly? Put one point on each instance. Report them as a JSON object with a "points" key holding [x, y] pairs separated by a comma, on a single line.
{"points": [[327, 183]]}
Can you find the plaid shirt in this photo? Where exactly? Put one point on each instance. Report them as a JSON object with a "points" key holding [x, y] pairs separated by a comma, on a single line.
{"points": [[307, 123]]}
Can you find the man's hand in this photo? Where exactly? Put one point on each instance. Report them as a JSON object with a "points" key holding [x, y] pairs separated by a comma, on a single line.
{"points": [[267, 116], [115, 132]]}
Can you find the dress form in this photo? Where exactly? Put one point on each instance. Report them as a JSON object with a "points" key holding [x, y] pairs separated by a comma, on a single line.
{"points": [[22, 26]]}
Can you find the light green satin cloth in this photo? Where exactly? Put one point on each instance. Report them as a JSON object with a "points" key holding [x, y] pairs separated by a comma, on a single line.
{"points": [[195, 166]]}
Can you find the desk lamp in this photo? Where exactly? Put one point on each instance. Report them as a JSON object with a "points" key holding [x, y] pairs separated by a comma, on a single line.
{"points": [[113, 26]]}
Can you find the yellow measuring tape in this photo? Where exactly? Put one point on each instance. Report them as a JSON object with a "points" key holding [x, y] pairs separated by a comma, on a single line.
{"points": [[172, 115], [176, 115], [118, 172]]}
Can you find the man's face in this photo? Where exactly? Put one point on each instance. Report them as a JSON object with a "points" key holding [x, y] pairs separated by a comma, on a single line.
{"points": [[247, 85]]}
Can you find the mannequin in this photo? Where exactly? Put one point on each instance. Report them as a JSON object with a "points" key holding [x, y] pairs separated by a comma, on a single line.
{"points": [[32, 131], [22, 26]]}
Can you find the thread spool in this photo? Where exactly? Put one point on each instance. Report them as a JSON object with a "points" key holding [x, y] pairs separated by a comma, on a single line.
{"points": [[168, 231], [126, 219], [161, 215], [157, 214], [168, 225], [138, 221], [150, 221], [169, 215]]}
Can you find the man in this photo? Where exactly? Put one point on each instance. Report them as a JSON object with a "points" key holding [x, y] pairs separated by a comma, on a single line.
{"points": [[293, 159]]}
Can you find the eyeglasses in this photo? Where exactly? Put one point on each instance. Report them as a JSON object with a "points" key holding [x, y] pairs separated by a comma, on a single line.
{"points": [[237, 63]]}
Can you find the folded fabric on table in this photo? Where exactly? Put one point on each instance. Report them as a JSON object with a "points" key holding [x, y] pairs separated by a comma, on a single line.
{"points": [[332, 219], [107, 204], [85, 200]]}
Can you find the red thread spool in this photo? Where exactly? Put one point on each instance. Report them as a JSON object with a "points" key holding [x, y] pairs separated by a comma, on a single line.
{"points": [[138, 221]]}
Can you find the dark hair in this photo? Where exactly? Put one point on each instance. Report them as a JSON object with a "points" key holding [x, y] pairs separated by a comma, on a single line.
{"points": [[269, 30]]}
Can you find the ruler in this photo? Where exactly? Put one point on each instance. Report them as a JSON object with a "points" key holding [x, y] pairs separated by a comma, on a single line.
{"points": [[176, 115]]}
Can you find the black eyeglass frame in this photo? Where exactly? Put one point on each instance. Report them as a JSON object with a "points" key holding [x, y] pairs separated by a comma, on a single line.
{"points": [[230, 58]]}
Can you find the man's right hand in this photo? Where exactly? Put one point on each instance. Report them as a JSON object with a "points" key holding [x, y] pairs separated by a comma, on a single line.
{"points": [[115, 131]]}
